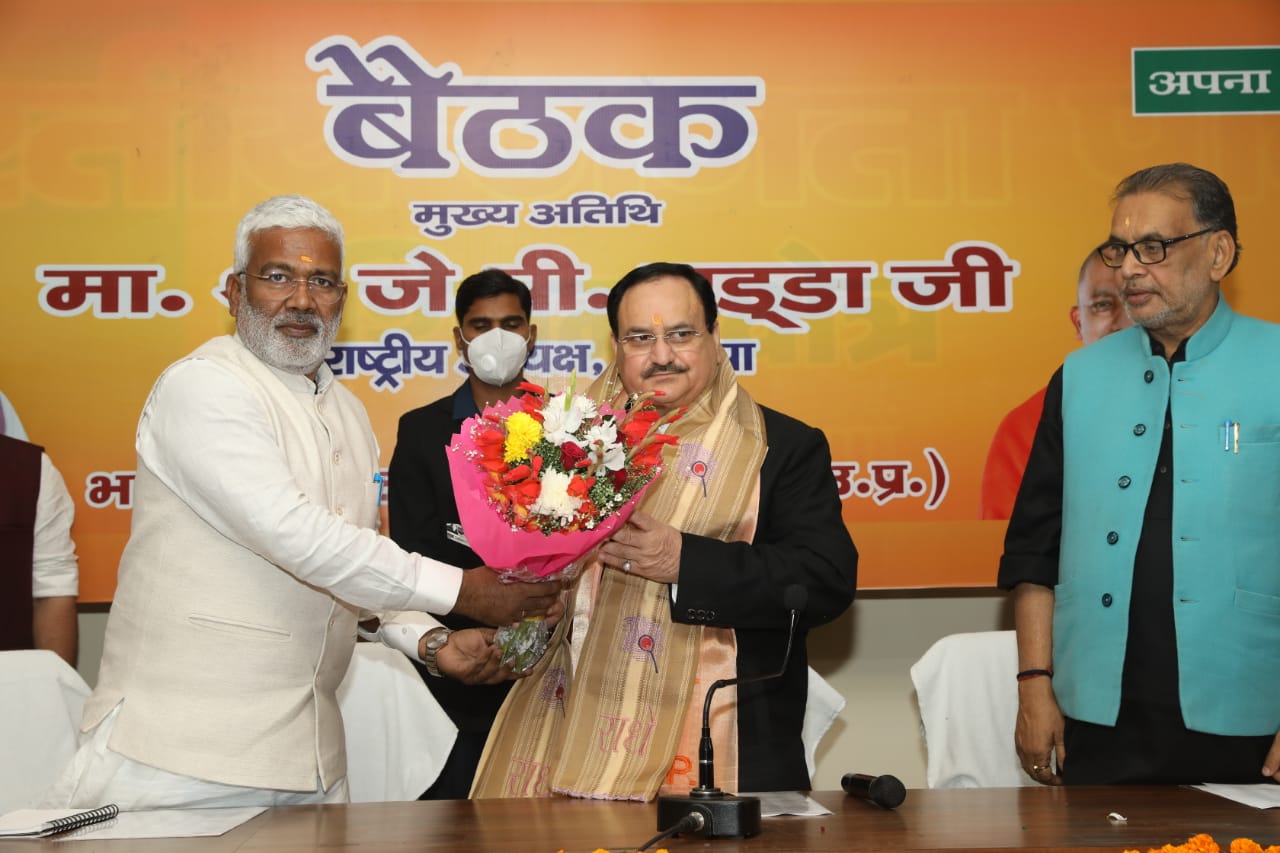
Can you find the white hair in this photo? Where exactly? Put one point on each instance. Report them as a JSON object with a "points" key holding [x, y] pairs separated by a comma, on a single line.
{"points": [[284, 211]]}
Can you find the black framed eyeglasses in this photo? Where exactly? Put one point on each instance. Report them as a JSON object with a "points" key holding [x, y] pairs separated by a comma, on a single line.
{"points": [[677, 340], [1149, 251], [280, 286]]}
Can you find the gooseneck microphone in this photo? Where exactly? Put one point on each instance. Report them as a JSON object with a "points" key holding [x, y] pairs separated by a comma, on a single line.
{"points": [[725, 815], [885, 791]]}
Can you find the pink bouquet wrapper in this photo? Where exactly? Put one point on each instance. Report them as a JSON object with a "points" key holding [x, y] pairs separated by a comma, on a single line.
{"points": [[519, 554]]}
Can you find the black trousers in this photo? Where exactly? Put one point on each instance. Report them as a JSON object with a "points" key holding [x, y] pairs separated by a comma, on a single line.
{"points": [[454, 782], [1150, 745]]}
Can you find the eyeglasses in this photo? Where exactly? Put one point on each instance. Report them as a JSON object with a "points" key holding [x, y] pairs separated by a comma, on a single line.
{"points": [[1112, 252], [280, 286], [678, 340]]}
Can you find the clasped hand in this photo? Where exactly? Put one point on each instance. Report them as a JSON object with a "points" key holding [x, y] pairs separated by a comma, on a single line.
{"points": [[487, 598], [646, 547], [470, 656]]}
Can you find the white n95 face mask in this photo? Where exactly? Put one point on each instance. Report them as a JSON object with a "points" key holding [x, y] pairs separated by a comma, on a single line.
{"points": [[497, 356]]}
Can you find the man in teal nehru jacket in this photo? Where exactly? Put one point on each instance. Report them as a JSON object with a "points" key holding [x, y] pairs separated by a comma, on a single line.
{"points": [[1143, 552]]}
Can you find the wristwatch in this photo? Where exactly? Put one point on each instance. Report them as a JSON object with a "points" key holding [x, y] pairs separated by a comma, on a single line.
{"points": [[436, 639]]}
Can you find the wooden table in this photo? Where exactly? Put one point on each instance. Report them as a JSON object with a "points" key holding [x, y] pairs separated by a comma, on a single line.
{"points": [[986, 819]]}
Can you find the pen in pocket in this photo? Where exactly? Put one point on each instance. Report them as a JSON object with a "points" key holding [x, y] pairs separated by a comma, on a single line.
{"points": [[1231, 436]]}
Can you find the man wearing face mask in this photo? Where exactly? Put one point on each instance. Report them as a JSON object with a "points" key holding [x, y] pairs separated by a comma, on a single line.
{"points": [[494, 338]]}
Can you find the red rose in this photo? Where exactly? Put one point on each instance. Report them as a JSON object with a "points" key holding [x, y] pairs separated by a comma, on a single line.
{"points": [[571, 454]]}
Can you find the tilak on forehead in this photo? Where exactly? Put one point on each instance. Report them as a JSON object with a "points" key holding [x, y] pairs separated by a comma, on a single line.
{"points": [[656, 319], [306, 259]]}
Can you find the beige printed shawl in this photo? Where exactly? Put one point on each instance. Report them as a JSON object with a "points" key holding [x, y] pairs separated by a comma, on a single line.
{"points": [[627, 722]]}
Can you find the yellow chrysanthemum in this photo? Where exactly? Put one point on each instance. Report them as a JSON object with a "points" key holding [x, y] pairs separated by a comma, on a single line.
{"points": [[523, 433]]}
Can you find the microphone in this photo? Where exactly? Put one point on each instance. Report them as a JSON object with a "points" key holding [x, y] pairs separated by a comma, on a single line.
{"points": [[886, 791], [725, 815]]}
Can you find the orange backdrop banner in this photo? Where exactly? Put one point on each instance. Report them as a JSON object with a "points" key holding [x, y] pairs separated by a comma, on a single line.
{"points": [[892, 200]]}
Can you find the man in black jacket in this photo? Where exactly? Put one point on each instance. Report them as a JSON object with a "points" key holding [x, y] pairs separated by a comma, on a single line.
{"points": [[691, 589], [494, 337]]}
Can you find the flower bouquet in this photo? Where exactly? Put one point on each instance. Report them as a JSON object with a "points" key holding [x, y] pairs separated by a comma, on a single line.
{"points": [[542, 480]]}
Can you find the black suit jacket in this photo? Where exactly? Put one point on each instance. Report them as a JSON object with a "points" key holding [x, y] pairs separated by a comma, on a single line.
{"points": [[20, 467], [420, 510], [801, 539]]}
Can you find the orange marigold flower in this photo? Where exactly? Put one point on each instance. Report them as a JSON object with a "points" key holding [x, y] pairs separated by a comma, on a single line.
{"points": [[1202, 843]]}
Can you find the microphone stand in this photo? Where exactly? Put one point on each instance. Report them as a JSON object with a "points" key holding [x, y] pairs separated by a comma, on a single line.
{"points": [[724, 815]]}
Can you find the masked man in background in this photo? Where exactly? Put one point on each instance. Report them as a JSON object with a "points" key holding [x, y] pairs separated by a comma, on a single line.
{"points": [[494, 338]]}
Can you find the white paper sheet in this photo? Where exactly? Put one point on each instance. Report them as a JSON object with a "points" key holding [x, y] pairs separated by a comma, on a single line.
{"points": [[167, 823], [1265, 796], [775, 803]]}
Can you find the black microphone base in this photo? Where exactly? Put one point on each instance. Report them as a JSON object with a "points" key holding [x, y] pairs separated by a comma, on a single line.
{"points": [[723, 815]]}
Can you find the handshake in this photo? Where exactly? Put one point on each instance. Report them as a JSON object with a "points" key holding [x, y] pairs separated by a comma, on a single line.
{"points": [[470, 654]]}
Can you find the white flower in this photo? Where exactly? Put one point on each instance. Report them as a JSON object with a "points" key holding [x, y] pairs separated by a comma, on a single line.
{"points": [[605, 431], [562, 417], [554, 500], [606, 452]]}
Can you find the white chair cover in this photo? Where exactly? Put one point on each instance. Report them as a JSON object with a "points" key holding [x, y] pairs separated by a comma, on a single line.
{"points": [[41, 700], [824, 705], [398, 736], [968, 707]]}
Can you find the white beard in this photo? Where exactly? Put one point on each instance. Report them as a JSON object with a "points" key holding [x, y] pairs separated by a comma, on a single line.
{"points": [[283, 352]]}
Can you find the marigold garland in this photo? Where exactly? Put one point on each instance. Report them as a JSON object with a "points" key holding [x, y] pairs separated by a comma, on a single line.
{"points": [[602, 850], [1204, 843]]}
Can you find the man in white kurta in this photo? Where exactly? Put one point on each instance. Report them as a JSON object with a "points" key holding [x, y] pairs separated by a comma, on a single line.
{"points": [[253, 548]]}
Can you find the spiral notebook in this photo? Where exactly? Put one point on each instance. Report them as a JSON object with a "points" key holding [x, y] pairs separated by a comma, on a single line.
{"points": [[39, 823]]}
